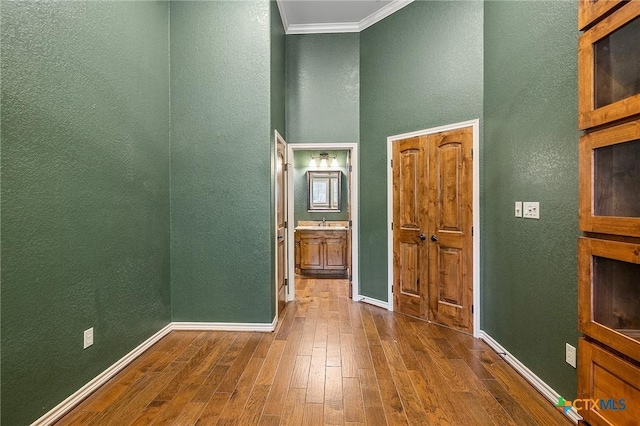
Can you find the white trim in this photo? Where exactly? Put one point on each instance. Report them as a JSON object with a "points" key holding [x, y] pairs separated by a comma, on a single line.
{"points": [[475, 125], [382, 13], [278, 137], [330, 28], [225, 326], [374, 302], [354, 203], [283, 15], [74, 399], [528, 375], [340, 27]]}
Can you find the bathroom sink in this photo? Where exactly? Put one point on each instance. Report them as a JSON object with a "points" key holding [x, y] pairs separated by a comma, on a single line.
{"points": [[321, 228]]}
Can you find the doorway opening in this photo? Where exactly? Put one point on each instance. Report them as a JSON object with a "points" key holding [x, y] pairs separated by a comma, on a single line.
{"points": [[433, 207], [322, 213]]}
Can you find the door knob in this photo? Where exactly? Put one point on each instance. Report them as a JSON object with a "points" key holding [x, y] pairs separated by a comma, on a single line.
{"points": [[434, 238], [423, 237], [280, 237]]}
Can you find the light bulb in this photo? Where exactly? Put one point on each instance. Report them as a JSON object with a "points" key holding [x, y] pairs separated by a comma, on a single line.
{"points": [[312, 163], [323, 162], [334, 162]]}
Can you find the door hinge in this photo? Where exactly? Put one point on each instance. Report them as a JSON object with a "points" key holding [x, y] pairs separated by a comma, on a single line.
{"points": [[392, 226], [471, 308], [471, 152], [350, 278], [286, 282], [472, 231], [350, 223], [286, 167], [391, 163], [391, 289], [350, 168], [285, 224]]}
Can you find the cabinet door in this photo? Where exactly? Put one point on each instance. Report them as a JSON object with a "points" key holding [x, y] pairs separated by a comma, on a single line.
{"points": [[608, 61], [609, 293], [590, 11], [608, 387], [311, 252], [609, 180], [335, 250]]}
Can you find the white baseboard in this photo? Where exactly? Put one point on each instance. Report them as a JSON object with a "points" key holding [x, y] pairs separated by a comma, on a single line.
{"points": [[225, 326], [69, 403], [74, 399], [529, 375], [374, 302]]}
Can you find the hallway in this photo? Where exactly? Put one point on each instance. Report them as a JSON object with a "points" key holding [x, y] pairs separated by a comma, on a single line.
{"points": [[330, 361]]}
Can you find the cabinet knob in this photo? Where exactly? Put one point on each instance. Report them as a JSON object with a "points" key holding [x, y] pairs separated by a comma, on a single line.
{"points": [[423, 237], [434, 238]]}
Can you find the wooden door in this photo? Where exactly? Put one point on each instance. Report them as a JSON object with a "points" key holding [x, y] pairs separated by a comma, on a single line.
{"points": [[349, 233], [450, 228], [409, 226], [281, 217]]}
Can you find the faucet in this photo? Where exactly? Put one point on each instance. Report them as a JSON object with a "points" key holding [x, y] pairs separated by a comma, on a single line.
{"points": [[324, 221]]}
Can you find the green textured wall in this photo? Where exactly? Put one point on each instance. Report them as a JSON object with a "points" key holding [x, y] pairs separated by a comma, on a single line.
{"points": [[322, 88], [221, 168], [419, 68], [531, 144], [85, 192], [300, 166]]}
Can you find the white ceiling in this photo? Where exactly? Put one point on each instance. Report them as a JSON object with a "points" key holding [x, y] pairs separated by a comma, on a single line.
{"points": [[334, 16]]}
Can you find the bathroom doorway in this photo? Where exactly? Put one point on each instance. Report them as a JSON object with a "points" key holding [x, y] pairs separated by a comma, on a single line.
{"points": [[322, 209]]}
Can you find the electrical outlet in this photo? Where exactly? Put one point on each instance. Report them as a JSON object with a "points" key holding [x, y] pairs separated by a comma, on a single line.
{"points": [[570, 355], [518, 209], [88, 338], [531, 210]]}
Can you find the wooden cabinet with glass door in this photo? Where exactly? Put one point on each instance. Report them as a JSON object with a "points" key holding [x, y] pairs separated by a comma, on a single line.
{"points": [[608, 63], [592, 11]]}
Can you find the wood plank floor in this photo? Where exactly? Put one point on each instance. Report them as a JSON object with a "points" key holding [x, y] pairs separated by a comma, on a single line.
{"points": [[330, 361]]}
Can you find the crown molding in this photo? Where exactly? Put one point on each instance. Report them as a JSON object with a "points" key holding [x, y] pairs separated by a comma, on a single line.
{"points": [[342, 27], [283, 14], [382, 13], [332, 28]]}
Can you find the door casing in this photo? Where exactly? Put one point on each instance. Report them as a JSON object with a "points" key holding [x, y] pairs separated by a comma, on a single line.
{"points": [[279, 139], [353, 201], [475, 125]]}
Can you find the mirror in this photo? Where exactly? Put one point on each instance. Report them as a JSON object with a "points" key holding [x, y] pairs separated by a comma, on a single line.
{"points": [[323, 190]]}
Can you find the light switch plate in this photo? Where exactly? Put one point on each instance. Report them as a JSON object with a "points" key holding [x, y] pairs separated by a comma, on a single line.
{"points": [[570, 355], [531, 210], [88, 338], [518, 209]]}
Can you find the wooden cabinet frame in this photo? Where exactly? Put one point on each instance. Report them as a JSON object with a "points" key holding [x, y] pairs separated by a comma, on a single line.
{"points": [[622, 251], [588, 115], [590, 11], [589, 222], [605, 376]]}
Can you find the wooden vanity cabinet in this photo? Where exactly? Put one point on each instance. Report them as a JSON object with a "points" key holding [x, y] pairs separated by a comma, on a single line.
{"points": [[322, 251]]}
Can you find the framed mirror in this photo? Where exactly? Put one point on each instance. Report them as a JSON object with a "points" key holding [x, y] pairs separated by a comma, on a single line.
{"points": [[323, 190]]}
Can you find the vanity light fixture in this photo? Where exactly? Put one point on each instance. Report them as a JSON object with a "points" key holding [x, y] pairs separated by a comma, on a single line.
{"points": [[324, 160]]}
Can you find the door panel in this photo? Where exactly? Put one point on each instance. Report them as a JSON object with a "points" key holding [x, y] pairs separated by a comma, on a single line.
{"points": [[281, 212], [410, 203], [311, 252], [450, 222], [335, 256]]}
